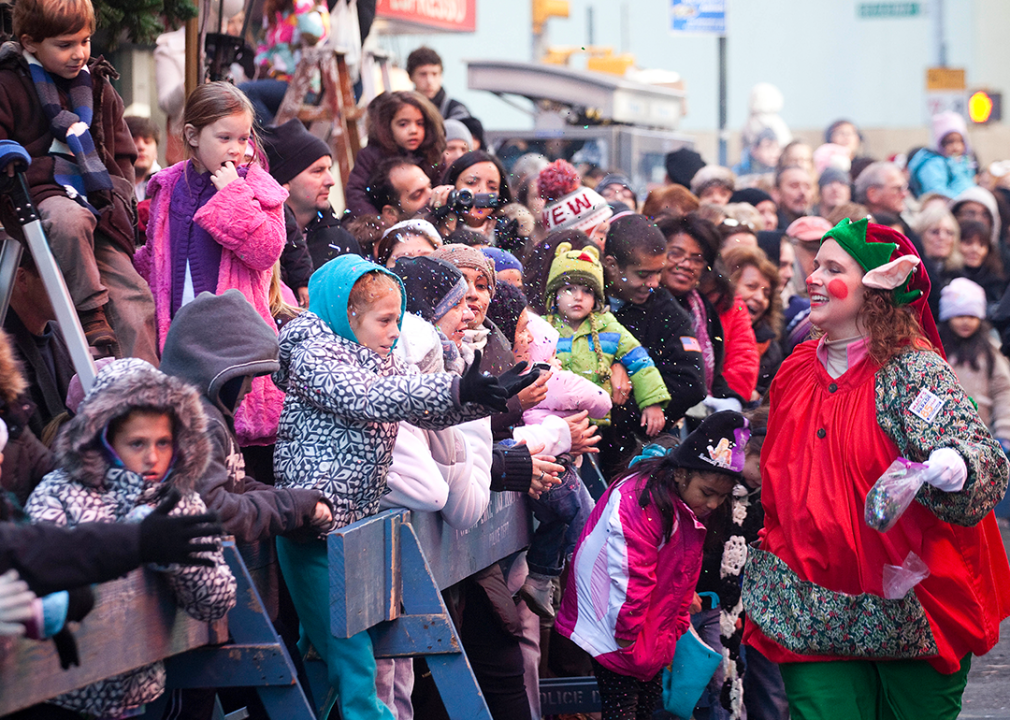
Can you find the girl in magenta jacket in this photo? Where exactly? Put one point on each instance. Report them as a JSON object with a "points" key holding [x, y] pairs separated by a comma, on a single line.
{"points": [[217, 223], [638, 560]]}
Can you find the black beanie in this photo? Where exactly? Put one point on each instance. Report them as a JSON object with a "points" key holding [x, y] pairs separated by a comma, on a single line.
{"points": [[751, 196], [681, 166], [771, 242], [433, 286], [291, 149], [506, 306], [717, 445]]}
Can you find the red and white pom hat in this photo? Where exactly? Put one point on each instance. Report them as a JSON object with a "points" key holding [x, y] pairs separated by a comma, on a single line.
{"points": [[570, 204]]}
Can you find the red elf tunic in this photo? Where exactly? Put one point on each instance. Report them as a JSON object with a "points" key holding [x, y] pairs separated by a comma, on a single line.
{"points": [[814, 590]]}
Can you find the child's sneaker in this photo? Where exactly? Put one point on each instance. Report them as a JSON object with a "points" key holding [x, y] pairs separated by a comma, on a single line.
{"points": [[538, 592]]}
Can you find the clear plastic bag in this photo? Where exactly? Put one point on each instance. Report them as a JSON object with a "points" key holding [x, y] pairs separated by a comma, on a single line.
{"points": [[899, 580], [893, 492]]}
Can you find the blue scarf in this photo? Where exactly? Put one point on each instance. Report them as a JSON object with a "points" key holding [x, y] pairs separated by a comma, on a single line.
{"points": [[86, 173]]}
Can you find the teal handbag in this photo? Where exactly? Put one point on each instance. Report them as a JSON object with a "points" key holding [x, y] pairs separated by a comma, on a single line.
{"points": [[684, 680]]}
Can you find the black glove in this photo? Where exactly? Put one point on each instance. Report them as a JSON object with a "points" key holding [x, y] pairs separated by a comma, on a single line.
{"points": [[482, 389], [166, 540], [514, 382]]}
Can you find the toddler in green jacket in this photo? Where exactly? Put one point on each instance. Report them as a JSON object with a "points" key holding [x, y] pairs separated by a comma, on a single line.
{"points": [[592, 339]]}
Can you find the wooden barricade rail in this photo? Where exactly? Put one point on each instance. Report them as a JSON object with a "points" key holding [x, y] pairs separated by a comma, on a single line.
{"points": [[135, 622]]}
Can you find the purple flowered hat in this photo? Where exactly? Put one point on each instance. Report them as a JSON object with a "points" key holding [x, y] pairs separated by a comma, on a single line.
{"points": [[717, 445]]}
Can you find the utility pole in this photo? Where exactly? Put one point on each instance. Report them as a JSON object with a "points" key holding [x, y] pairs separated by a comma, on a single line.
{"points": [[722, 101]]}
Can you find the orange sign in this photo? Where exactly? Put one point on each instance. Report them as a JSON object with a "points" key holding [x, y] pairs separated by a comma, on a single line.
{"points": [[444, 15], [942, 78]]}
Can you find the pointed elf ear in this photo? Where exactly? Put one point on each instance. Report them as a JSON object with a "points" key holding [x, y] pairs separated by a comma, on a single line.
{"points": [[891, 275]]}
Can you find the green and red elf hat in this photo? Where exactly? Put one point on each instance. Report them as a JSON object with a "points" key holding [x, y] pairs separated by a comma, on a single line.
{"points": [[891, 263]]}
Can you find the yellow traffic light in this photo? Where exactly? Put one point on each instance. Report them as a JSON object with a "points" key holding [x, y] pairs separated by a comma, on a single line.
{"points": [[980, 107], [543, 9]]}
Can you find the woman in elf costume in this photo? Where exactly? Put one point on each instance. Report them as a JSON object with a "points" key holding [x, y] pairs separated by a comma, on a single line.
{"points": [[874, 387]]}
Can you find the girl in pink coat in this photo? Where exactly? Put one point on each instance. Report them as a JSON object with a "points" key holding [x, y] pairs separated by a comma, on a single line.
{"points": [[217, 223], [638, 559]]}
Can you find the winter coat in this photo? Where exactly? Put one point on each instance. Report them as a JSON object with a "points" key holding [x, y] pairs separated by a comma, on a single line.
{"points": [[630, 583], [989, 387], [814, 590], [446, 471], [567, 393], [88, 487], [449, 108], [25, 460], [664, 329], [296, 263], [932, 172], [771, 354], [341, 412], [247, 220], [23, 120], [214, 341], [720, 388], [740, 368], [327, 239], [48, 393], [576, 352]]}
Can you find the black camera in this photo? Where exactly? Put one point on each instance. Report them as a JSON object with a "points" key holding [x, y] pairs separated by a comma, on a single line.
{"points": [[462, 201]]}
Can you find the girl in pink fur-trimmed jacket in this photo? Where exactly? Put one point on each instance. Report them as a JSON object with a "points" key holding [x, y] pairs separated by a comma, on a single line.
{"points": [[217, 224], [638, 560]]}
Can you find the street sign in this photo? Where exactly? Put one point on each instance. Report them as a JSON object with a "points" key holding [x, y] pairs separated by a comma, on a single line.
{"points": [[944, 78], [945, 91], [420, 16], [698, 17], [882, 10]]}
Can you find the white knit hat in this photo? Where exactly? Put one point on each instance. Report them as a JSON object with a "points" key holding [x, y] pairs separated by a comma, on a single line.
{"points": [[582, 210], [962, 297]]}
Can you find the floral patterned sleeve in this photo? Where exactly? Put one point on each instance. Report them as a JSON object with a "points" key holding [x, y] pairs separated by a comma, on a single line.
{"points": [[921, 407]]}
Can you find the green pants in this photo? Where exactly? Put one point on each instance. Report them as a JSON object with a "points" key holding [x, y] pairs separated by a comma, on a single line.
{"points": [[868, 690], [350, 664]]}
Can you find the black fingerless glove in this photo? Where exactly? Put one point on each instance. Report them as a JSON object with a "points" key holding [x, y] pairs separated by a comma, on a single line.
{"points": [[474, 387], [515, 382], [166, 540]]}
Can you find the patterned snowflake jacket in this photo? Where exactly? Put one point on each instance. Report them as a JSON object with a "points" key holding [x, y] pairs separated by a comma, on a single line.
{"points": [[341, 413], [89, 488]]}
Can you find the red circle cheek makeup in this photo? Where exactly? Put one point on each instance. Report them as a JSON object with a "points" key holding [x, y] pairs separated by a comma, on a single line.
{"points": [[839, 289]]}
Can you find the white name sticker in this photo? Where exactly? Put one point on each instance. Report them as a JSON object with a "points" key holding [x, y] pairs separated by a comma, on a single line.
{"points": [[926, 405]]}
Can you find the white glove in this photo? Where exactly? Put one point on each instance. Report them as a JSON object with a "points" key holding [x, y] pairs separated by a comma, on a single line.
{"points": [[945, 470], [716, 404]]}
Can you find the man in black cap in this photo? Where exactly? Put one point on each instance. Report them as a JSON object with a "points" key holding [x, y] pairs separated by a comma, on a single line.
{"points": [[301, 163]]}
